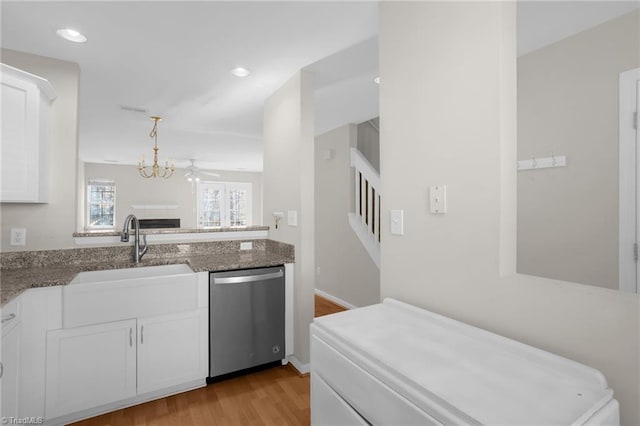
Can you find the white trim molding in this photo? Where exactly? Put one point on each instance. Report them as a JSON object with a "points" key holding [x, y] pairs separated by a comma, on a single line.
{"points": [[182, 237], [302, 368], [335, 299], [627, 219]]}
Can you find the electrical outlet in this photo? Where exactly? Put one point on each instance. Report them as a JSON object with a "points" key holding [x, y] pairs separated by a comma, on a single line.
{"points": [[248, 245], [18, 237]]}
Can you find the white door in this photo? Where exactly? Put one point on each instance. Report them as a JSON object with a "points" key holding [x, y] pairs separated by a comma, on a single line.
{"points": [[9, 370], [170, 349], [90, 366]]}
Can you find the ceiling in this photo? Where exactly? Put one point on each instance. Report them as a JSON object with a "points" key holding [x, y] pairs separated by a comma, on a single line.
{"points": [[173, 59]]}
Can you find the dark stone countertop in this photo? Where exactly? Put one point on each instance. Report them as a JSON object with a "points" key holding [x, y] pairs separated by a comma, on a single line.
{"points": [[14, 281]]}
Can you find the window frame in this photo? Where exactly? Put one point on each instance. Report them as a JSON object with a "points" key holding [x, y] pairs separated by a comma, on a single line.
{"points": [[95, 182], [225, 188]]}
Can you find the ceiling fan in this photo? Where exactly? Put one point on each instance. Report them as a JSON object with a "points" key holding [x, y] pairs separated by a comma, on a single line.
{"points": [[194, 174]]}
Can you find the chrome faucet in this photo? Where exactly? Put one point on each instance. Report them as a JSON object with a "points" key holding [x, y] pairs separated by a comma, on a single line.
{"points": [[138, 251]]}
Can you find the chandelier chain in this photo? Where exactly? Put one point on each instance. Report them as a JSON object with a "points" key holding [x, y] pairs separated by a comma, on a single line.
{"points": [[155, 168]]}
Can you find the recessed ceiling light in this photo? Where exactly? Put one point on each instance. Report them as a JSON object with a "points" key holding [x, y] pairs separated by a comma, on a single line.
{"points": [[376, 80], [71, 35], [240, 72]]}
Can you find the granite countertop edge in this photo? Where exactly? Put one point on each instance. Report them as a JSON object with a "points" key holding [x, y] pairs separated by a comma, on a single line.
{"points": [[14, 282]]}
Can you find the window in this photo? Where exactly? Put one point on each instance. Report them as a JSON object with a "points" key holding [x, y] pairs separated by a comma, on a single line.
{"points": [[101, 204], [224, 204]]}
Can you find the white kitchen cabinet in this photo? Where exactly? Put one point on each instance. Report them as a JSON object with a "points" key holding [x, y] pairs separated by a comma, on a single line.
{"points": [[170, 350], [26, 100], [9, 361], [93, 366], [25, 321], [90, 366], [40, 310]]}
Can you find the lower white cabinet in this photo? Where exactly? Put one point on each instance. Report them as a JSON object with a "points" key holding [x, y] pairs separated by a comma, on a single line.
{"points": [[9, 365], [95, 365], [90, 366], [169, 350]]}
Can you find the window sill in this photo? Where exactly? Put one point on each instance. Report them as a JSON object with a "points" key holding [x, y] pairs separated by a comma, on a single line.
{"points": [[175, 234]]}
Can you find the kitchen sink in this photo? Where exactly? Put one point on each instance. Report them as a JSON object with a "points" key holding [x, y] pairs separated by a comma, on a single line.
{"points": [[118, 294], [110, 275]]}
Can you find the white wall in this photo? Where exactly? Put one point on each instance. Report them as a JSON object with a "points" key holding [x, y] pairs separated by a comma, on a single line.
{"points": [[50, 225], [369, 141], [288, 185], [454, 124], [568, 105], [131, 189], [345, 269]]}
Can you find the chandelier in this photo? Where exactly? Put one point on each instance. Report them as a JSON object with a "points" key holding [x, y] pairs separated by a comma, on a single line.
{"points": [[167, 171]]}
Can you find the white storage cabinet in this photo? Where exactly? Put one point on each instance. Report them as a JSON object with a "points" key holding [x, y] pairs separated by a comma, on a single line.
{"points": [[26, 101], [10, 358], [396, 364]]}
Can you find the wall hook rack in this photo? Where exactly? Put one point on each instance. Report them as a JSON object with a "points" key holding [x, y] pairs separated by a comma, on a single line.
{"points": [[542, 163]]}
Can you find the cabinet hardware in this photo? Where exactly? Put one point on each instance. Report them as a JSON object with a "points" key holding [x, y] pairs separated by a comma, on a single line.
{"points": [[8, 318], [131, 337], [141, 334], [247, 279], [1, 370]]}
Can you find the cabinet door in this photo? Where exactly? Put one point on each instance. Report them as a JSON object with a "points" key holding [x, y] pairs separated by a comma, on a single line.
{"points": [[9, 378], [26, 99], [90, 366], [170, 350]]}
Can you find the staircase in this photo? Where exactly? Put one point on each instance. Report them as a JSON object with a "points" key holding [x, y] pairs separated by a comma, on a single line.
{"points": [[365, 221]]}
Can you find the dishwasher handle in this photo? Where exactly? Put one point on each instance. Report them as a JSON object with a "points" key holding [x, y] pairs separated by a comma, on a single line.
{"points": [[246, 278]]}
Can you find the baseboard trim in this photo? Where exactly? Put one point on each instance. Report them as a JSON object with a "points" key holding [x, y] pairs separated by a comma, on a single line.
{"points": [[303, 369], [335, 299]]}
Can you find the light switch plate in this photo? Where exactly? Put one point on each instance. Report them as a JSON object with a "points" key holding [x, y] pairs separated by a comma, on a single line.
{"points": [[397, 222], [438, 199], [292, 218]]}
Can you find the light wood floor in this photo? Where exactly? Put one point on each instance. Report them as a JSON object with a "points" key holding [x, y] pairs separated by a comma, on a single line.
{"points": [[326, 307], [277, 396]]}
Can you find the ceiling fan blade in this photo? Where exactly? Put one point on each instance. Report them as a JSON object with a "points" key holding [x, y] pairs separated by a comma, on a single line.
{"points": [[210, 174]]}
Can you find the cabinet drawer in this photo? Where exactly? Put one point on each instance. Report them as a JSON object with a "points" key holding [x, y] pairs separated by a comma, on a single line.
{"points": [[329, 408], [374, 400]]}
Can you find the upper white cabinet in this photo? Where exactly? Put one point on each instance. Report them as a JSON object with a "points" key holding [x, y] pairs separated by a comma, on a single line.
{"points": [[26, 100]]}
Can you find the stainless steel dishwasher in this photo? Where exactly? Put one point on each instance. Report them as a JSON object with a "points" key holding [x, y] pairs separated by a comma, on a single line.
{"points": [[246, 319]]}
